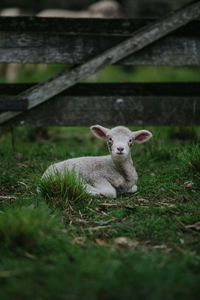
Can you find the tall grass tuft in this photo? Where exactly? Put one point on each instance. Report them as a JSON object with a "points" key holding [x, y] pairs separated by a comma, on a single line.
{"points": [[29, 229], [60, 190], [191, 158]]}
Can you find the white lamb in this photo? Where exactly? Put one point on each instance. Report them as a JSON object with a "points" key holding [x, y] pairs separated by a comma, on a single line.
{"points": [[107, 175]]}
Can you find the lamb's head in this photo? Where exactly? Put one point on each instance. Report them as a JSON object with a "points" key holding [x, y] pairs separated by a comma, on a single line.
{"points": [[120, 139]]}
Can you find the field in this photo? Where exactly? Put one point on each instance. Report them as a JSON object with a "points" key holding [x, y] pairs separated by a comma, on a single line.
{"points": [[143, 246], [68, 245]]}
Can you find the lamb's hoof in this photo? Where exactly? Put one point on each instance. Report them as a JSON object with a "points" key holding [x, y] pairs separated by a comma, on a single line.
{"points": [[133, 189]]}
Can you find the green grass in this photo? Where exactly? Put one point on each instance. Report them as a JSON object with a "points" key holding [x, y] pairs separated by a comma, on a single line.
{"points": [[63, 190], [28, 228], [64, 244], [146, 74], [37, 73]]}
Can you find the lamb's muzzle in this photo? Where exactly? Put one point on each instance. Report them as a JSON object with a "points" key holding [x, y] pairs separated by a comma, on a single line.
{"points": [[107, 175]]}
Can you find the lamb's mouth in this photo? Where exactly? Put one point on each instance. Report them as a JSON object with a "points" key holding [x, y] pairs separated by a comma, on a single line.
{"points": [[120, 153]]}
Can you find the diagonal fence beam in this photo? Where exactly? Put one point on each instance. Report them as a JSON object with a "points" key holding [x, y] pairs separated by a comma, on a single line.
{"points": [[144, 37]]}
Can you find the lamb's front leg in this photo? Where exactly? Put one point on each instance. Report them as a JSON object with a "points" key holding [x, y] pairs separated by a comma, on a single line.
{"points": [[133, 189], [102, 188]]}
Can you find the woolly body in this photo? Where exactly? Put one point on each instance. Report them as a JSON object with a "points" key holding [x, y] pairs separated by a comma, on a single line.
{"points": [[111, 174]]}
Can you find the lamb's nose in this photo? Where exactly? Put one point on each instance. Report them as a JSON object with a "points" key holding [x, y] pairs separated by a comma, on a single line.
{"points": [[120, 149]]}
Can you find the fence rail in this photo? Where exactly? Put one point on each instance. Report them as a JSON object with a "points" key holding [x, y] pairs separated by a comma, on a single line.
{"points": [[73, 41], [112, 104]]}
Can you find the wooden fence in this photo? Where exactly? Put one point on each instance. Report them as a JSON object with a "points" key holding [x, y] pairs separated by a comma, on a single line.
{"points": [[89, 45]]}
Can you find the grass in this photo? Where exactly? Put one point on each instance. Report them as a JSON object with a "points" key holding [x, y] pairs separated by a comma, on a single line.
{"points": [[64, 244], [63, 190], [146, 74], [37, 73], [28, 228]]}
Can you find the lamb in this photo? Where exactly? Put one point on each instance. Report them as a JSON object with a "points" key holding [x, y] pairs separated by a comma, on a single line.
{"points": [[108, 175]]}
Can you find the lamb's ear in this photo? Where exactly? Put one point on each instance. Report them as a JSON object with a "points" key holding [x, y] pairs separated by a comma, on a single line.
{"points": [[99, 131], [141, 136]]}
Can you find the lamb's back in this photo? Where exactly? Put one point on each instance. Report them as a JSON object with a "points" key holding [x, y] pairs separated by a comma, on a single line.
{"points": [[89, 168]]}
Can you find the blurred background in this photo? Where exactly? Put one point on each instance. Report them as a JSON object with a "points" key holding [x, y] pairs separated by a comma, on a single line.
{"points": [[12, 73], [130, 8], [95, 9]]}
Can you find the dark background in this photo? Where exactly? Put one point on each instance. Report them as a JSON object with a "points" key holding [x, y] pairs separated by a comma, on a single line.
{"points": [[131, 8]]}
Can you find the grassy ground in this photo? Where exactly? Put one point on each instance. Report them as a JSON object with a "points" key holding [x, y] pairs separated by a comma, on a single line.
{"points": [[37, 73], [143, 246]]}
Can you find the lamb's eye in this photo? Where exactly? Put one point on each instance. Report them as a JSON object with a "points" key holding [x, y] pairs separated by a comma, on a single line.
{"points": [[130, 141], [110, 139]]}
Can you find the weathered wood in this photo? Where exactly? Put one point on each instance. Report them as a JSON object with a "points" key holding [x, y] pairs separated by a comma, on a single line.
{"points": [[70, 41], [149, 34], [115, 104], [157, 89], [107, 111], [10, 103], [70, 26], [91, 26], [171, 51]]}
